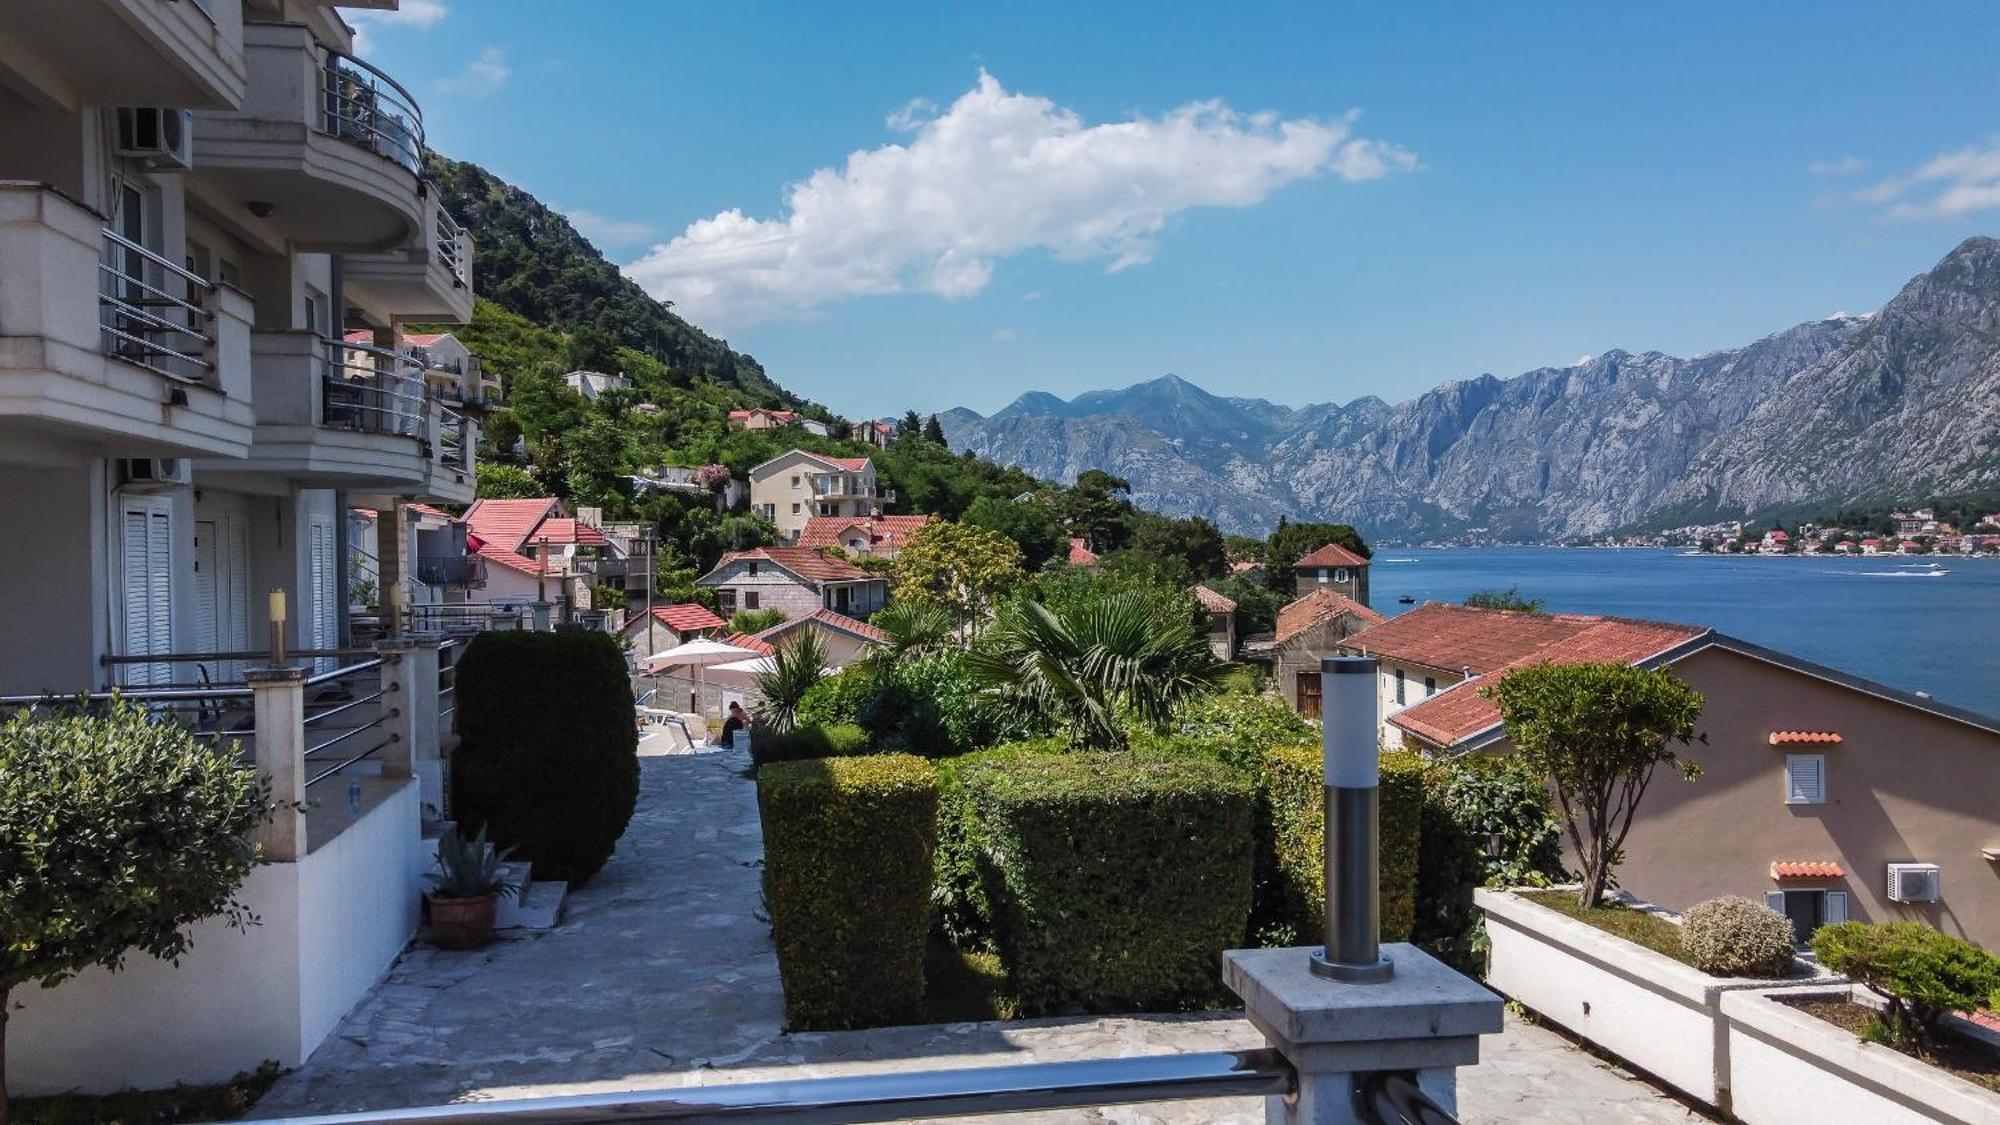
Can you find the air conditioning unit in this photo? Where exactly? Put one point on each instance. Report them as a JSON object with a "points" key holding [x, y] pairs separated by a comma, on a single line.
{"points": [[163, 138], [150, 474], [1913, 882]]}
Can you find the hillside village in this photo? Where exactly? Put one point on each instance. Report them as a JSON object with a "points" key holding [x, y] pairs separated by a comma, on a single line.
{"points": [[451, 676]]}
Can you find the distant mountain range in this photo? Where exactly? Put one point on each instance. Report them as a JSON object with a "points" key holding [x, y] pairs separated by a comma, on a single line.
{"points": [[1901, 404]]}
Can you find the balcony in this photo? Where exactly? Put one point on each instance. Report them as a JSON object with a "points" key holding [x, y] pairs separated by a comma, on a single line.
{"points": [[327, 148], [429, 280], [109, 342], [453, 437], [452, 570], [131, 52]]}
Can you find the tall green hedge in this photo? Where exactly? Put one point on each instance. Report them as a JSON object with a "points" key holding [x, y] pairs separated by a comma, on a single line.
{"points": [[962, 890], [847, 866], [1119, 878], [547, 756], [1292, 838], [840, 740]]}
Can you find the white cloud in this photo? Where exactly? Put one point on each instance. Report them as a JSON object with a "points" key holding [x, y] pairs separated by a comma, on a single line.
{"points": [[1838, 169], [913, 116], [1582, 359], [482, 77], [1946, 187], [421, 15], [1006, 336], [607, 231], [994, 175]]}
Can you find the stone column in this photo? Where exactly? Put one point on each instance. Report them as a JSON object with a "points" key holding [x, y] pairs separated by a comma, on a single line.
{"points": [[1426, 1019], [392, 567], [280, 703]]}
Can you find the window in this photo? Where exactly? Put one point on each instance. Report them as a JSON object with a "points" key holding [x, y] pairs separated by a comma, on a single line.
{"points": [[1808, 910], [1430, 686], [1322, 576], [750, 599], [795, 484], [1805, 779], [1401, 687], [726, 599], [753, 570], [146, 565], [795, 507], [1340, 574]]}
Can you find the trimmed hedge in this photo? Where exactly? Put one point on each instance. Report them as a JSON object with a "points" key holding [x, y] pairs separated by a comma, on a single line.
{"points": [[1292, 839], [847, 869], [841, 740], [1117, 879], [961, 889], [547, 759]]}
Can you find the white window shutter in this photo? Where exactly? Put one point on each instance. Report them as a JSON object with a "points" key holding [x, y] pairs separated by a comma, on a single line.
{"points": [[1836, 908], [1775, 900], [1805, 779], [146, 569]]}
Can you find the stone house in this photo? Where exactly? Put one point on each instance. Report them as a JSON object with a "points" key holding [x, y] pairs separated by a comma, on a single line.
{"points": [[669, 626], [1220, 612], [1332, 567], [1308, 629], [796, 580]]}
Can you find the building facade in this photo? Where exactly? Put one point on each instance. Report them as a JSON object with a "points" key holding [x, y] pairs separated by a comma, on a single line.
{"points": [[796, 581], [1332, 567], [792, 488]]}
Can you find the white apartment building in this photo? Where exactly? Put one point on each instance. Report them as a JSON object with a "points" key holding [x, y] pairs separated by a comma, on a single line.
{"points": [[213, 222], [793, 487]]}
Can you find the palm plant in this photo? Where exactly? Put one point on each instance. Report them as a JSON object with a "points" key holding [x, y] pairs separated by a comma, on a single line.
{"points": [[1082, 668], [913, 629], [797, 665]]}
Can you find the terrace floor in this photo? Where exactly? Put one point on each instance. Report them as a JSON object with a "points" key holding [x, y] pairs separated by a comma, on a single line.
{"points": [[662, 974]]}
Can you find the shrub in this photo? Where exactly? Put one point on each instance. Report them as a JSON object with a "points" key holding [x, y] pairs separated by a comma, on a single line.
{"points": [[1924, 974], [836, 699], [117, 833], [841, 740], [749, 621], [924, 705], [1119, 879], [1471, 803], [1734, 937], [961, 897], [1292, 839], [847, 866], [1243, 727], [547, 757]]}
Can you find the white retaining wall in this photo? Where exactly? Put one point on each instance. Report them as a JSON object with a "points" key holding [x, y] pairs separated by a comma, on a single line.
{"points": [[331, 923]]}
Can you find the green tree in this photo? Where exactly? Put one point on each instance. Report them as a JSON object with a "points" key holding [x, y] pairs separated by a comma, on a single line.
{"points": [[1923, 974], [508, 482], [594, 452], [751, 621], [1193, 540], [934, 430], [962, 569], [1511, 599], [498, 435], [1083, 670], [1597, 731], [1096, 509], [797, 666], [1034, 526], [1289, 542], [911, 425], [914, 629], [117, 833], [1256, 606]]}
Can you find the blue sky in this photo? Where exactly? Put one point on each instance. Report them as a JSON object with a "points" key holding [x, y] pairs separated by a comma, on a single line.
{"points": [[1086, 196]]}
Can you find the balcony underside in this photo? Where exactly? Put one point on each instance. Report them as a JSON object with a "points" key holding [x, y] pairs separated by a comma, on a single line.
{"points": [[325, 193], [119, 52], [55, 398], [413, 283], [323, 457]]}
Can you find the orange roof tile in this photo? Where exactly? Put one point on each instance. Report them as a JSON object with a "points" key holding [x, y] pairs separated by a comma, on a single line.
{"points": [[1806, 869], [882, 531], [1213, 602], [804, 562], [1812, 737], [687, 617], [831, 620], [1318, 606], [507, 523], [1080, 555], [1333, 554], [745, 640]]}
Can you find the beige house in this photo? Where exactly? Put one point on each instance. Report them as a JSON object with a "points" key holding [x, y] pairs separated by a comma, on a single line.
{"points": [[846, 639], [1827, 796], [593, 384], [792, 488], [1309, 628], [798, 581]]}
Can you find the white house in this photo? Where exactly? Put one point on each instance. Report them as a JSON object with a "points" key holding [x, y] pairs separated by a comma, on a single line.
{"points": [[200, 310], [794, 487], [591, 384]]}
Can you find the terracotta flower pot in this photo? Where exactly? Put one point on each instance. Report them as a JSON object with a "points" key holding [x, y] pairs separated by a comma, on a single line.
{"points": [[462, 923]]}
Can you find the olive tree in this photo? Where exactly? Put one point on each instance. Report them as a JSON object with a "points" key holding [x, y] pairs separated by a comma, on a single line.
{"points": [[117, 833], [963, 569], [1597, 732]]}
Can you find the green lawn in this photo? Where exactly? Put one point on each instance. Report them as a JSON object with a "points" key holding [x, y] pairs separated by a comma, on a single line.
{"points": [[1637, 926]]}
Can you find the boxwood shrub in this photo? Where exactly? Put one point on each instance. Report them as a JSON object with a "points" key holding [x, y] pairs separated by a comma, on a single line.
{"points": [[1117, 879], [1292, 839], [840, 740], [847, 869], [547, 759], [961, 893]]}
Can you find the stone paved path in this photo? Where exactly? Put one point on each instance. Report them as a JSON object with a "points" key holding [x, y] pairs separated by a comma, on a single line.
{"points": [[663, 975]]}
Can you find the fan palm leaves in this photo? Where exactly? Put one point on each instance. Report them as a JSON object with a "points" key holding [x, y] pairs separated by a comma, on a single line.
{"points": [[797, 665], [1084, 667], [913, 629]]}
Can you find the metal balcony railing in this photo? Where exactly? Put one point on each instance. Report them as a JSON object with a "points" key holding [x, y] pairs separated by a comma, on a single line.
{"points": [[346, 720], [373, 390], [451, 448], [365, 107], [154, 313], [452, 570], [451, 248]]}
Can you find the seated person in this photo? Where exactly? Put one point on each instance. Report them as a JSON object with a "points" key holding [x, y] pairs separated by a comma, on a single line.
{"points": [[738, 719]]}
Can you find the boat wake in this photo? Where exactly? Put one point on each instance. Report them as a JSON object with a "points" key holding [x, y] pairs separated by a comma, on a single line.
{"points": [[1938, 573]]}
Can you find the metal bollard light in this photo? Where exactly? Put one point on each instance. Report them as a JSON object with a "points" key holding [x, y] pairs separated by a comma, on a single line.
{"points": [[1353, 765]]}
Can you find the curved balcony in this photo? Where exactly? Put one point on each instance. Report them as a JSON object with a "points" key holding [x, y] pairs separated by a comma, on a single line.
{"points": [[335, 414], [430, 280], [131, 52], [326, 148]]}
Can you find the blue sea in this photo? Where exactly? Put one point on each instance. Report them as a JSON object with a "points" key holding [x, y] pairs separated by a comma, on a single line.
{"points": [[1877, 617]]}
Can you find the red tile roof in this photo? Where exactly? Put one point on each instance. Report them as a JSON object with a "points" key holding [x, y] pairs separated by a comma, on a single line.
{"points": [[778, 415], [831, 620], [687, 617], [508, 559], [1806, 869], [507, 523], [1213, 602], [566, 531], [745, 640], [1080, 555], [427, 510], [889, 532], [851, 464], [425, 339], [1333, 554], [1320, 605], [1794, 737], [804, 562], [1489, 641]]}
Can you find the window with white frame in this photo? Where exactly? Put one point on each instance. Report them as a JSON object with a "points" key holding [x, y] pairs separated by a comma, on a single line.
{"points": [[1805, 779]]}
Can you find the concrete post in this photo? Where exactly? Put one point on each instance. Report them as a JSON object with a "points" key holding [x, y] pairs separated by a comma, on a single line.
{"points": [[392, 567], [278, 695], [411, 677]]}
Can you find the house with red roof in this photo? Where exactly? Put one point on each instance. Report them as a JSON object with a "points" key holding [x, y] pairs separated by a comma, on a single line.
{"points": [[870, 536], [1219, 610], [846, 639], [670, 626], [1824, 795], [793, 487], [798, 581], [1080, 553], [765, 418], [875, 432], [533, 551], [1307, 629], [1332, 567]]}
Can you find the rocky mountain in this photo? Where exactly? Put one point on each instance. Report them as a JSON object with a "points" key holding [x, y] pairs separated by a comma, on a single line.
{"points": [[1904, 402]]}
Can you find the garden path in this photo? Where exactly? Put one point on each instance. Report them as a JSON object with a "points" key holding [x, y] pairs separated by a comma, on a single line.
{"points": [[662, 974]]}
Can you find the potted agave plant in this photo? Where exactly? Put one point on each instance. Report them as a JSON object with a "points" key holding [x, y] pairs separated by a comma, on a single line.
{"points": [[465, 890]]}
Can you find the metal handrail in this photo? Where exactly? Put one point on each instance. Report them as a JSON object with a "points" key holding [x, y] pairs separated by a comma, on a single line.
{"points": [[451, 245], [131, 695], [322, 747], [381, 392], [343, 672], [330, 712], [451, 437], [887, 1097], [142, 322], [1392, 1097], [366, 107], [243, 654]]}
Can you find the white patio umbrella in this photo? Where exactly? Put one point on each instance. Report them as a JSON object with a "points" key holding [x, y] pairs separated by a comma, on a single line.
{"points": [[697, 654]]}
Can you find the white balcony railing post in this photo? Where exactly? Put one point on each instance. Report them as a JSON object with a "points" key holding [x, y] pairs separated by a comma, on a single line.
{"points": [[278, 696]]}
